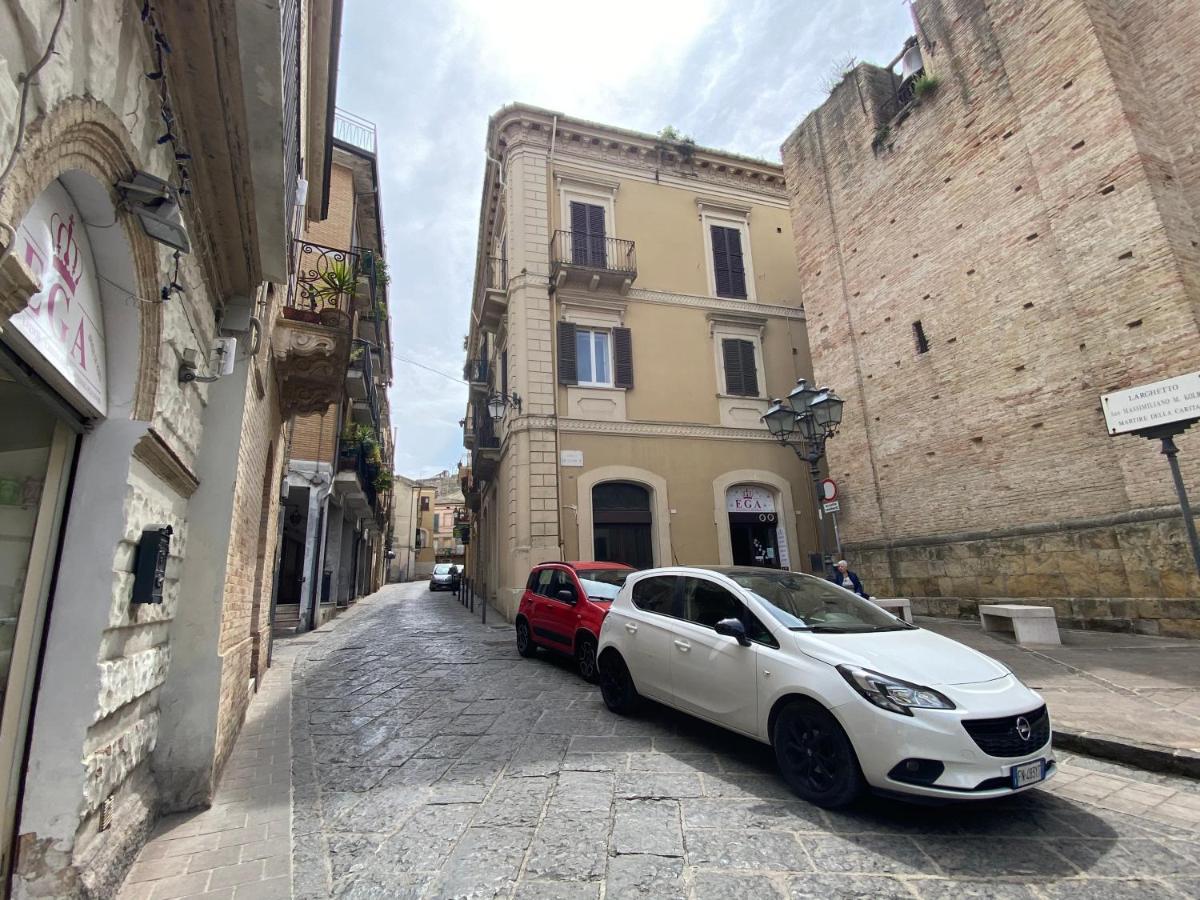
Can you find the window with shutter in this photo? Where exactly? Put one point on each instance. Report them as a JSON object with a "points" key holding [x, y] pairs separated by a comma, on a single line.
{"points": [[622, 358], [587, 235], [729, 267], [504, 373], [568, 372], [741, 371]]}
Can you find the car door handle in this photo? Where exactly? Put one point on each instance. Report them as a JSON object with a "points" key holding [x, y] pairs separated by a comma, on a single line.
{"points": [[683, 645], [631, 628]]}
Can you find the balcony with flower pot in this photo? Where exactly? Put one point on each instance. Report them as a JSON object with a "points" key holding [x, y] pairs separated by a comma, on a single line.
{"points": [[312, 335]]}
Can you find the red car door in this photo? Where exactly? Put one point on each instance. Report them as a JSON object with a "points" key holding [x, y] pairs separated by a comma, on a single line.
{"points": [[559, 616]]}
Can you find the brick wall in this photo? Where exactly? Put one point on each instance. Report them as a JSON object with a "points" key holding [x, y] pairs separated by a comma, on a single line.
{"points": [[1036, 215], [335, 230]]}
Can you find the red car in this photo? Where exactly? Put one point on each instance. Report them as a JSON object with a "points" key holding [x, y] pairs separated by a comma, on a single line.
{"points": [[563, 606]]}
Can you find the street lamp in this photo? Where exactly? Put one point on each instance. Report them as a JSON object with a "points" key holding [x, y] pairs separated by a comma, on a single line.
{"points": [[497, 402], [805, 421]]}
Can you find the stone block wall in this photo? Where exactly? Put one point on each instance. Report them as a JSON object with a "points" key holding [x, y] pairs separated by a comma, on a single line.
{"points": [[1036, 215]]}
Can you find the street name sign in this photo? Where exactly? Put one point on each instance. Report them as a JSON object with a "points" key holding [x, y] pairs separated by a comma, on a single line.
{"points": [[1151, 405], [832, 506]]}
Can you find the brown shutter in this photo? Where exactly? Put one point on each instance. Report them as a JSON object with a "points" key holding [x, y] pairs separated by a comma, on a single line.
{"points": [[622, 358], [749, 369], [732, 356], [567, 367], [720, 260], [579, 233], [737, 268]]}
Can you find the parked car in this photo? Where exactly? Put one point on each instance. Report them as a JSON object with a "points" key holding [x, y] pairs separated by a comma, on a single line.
{"points": [[445, 577], [848, 695], [562, 608]]}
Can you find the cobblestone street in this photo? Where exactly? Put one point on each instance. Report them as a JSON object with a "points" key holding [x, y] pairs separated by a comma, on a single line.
{"points": [[429, 760]]}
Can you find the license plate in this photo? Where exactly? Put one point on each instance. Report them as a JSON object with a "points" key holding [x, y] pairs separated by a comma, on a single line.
{"points": [[1028, 773]]}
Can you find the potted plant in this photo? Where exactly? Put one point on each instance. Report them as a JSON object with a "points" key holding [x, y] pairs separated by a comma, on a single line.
{"points": [[383, 481], [335, 282]]}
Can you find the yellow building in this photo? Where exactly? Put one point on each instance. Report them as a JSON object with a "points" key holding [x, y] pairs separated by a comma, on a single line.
{"points": [[636, 305]]}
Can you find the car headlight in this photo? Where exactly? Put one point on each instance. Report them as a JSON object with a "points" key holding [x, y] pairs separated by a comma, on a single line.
{"points": [[893, 694]]}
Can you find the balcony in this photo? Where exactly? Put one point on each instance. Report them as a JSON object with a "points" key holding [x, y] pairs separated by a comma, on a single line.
{"points": [[356, 380], [487, 448], [468, 428], [354, 130], [495, 292], [592, 261], [311, 343], [477, 372], [354, 483]]}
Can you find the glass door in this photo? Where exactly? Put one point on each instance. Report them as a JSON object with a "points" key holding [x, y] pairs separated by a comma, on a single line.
{"points": [[36, 451]]}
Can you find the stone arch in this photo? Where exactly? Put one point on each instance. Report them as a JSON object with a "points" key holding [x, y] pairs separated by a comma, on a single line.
{"points": [[660, 507], [82, 135], [778, 485]]}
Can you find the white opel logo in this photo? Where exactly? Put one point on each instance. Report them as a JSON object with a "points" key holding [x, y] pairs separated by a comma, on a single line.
{"points": [[1024, 730]]}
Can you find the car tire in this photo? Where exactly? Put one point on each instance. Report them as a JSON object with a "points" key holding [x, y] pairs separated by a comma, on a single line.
{"points": [[585, 658], [815, 756], [525, 645], [616, 685]]}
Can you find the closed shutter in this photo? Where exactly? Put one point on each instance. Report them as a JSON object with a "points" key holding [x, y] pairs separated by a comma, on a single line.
{"points": [[567, 367], [587, 235], [729, 267], [622, 341], [597, 257], [579, 233], [741, 372], [504, 373]]}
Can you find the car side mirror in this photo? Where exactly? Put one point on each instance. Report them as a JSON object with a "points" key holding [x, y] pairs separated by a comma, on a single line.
{"points": [[566, 595], [733, 628]]}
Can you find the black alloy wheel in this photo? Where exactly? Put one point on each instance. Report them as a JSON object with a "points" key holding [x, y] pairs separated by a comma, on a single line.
{"points": [[585, 657], [815, 756], [525, 645], [616, 684]]}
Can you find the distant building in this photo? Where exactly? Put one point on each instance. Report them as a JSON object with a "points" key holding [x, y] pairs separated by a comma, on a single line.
{"points": [[636, 305], [984, 251]]}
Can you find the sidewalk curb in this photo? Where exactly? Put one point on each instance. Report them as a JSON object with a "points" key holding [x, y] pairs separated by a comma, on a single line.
{"points": [[1151, 757]]}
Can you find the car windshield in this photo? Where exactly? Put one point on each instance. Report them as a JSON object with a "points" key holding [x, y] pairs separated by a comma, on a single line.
{"points": [[603, 584], [442, 569], [804, 603]]}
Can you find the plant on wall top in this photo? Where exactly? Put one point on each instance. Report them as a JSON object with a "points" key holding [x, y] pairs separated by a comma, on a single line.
{"points": [[683, 144], [925, 85]]}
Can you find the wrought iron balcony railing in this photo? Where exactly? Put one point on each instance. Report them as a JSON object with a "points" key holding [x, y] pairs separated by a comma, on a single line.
{"points": [[595, 252], [477, 371], [322, 284], [495, 273], [354, 130]]}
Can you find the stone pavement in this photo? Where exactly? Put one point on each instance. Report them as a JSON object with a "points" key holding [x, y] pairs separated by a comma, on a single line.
{"points": [[239, 848], [431, 761], [1141, 692]]}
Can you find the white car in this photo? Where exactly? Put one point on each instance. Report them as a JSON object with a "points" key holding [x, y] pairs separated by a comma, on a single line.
{"points": [[846, 693]]}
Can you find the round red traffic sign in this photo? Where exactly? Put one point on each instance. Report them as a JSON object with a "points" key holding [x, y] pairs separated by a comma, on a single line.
{"points": [[829, 489]]}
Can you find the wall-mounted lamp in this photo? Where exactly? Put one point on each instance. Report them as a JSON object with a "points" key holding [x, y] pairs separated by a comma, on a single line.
{"points": [[156, 205], [225, 350], [497, 402]]}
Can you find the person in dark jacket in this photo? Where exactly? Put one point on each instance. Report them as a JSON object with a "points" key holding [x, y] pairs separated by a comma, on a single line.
{"points": [[843, 577]]}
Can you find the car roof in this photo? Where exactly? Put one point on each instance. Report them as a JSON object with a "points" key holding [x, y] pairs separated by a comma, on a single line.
{"points": [[585, 565]]}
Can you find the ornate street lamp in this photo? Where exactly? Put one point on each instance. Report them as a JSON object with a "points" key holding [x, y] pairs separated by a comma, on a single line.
{"points": [[497, 403], [805, 421]]}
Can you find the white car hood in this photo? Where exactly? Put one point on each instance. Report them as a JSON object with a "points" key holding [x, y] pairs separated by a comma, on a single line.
{"points": [[919, 656]]}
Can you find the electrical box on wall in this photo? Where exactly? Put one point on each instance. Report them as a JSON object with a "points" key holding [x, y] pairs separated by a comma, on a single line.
{"points": [[150, 566]]}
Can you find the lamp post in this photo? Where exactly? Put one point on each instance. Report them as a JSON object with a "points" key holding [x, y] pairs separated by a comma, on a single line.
{"points": [[805, 421]]}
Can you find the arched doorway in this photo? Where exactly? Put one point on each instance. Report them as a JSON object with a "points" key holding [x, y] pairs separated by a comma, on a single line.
{"points": [[756, 535], [621, 523]]}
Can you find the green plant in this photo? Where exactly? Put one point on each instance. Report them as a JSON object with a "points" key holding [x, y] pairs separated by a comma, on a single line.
{"points": [[381, 270], [683, 144], [882, 133], [336, 281], [356, 353], [383, 481], [925, 85]]}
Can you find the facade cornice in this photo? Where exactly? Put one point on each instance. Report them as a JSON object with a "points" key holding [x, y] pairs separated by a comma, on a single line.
{"points": [[718, 304], [663, 429]]}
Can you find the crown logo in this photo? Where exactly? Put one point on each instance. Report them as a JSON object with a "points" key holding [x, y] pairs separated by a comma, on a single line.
{"points": [[67, 260]]}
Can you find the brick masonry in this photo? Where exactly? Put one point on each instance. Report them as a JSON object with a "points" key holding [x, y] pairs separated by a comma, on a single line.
{"points": [[1037, 215]]}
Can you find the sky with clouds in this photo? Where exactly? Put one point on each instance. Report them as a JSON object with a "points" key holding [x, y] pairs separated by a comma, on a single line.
{"points": [[734, 74]]}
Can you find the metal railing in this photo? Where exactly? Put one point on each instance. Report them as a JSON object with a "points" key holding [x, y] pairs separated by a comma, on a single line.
{"points": [[352, 457], [323, 281], [477, 371], [587, 251], [495, 273], [354, 130], [485, 433]]}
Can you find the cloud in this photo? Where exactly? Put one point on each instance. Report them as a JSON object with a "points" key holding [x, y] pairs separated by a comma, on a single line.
{"points": [[734, 75]]}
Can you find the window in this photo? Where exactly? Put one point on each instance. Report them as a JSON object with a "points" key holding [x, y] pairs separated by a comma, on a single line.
{"points": [[593, 357], [741, 371], [545, 577], [437, 522], [655, 594], [561, 582], [729, 269], [756, 630], [707, 603], [424, 504], [920, 338], [587, 235]]}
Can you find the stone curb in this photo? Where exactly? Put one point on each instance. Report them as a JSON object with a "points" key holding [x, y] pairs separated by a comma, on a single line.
{"points": [[1151, 757]]}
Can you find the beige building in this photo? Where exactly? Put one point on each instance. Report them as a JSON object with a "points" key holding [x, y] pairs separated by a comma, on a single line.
{"points": [[403, 558], [146, 230], [636, 304], [987, 250]]}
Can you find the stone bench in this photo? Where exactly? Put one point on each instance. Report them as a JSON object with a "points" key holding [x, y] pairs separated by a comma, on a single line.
{"points": [[1030, 624], [897, 606]]}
